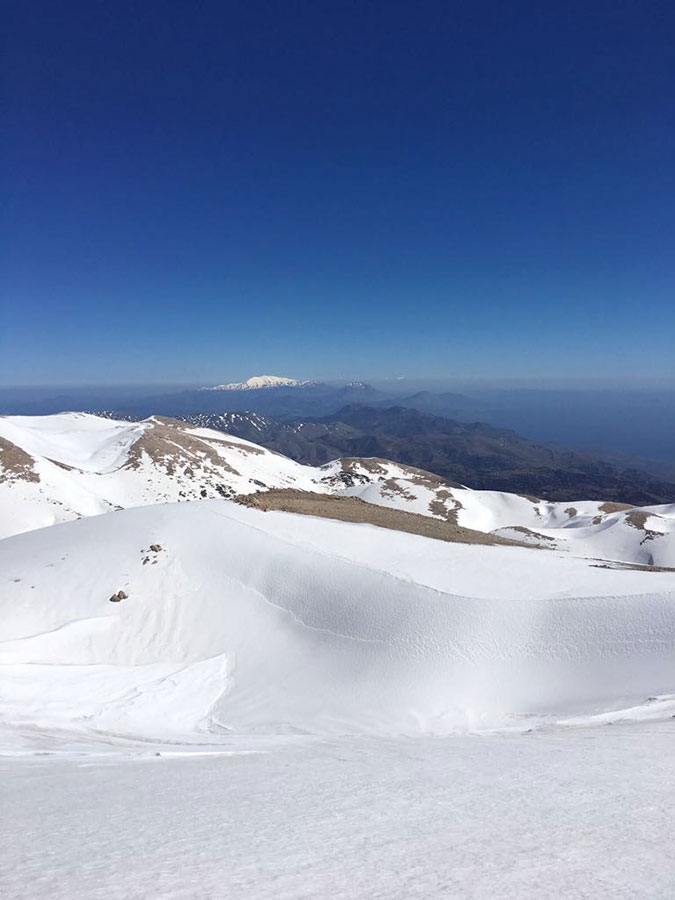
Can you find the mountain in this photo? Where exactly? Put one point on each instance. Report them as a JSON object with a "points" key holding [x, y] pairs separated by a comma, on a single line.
{"points": [[261, 382], [279, 399], [58, 468], [632, 430], [479, 455], [444, 403]]}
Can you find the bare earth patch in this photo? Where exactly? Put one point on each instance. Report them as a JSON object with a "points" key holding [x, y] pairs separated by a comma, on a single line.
{"points": [[353, 509], [522, 529], [531, 498], [392, 488], [611, 507], [639, 567], [168, 445], [15, 463], [439, 507], [637, 519]]}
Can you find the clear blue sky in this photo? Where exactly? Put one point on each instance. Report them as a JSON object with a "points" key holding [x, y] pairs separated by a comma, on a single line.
{"points": [[200, 191]]}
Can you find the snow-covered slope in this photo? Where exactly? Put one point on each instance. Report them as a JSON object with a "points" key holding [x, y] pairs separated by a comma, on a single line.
{"points": [[58, 468], [588, 528], [258, 382], [243, 639], [237, 620]]}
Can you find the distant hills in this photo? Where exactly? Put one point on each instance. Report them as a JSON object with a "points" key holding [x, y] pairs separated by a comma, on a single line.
{"points": [[276, 396], [271, 395], [477, 440], [478, 455]]}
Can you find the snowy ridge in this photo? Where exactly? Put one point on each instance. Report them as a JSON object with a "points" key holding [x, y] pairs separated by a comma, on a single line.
{"points": [[58, 468], [240, 621], [586, 528], [261, 382]]}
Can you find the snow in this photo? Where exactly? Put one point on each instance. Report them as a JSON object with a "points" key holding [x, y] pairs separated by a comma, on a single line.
{"points": [[86, 442], [261, 622], [291, 707], [99, 477], [582, 528], [577, 814], [258, 382]]}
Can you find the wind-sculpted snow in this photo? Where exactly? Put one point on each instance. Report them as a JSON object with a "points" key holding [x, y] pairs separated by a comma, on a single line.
{"points": [[242, 621]]}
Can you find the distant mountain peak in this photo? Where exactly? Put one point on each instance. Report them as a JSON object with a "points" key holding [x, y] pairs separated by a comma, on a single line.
{"points": [[260, 382]]}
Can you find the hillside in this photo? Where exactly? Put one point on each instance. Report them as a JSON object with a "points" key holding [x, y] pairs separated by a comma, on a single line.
{"points": [[237, 620], [58, 468], [183, 677], [480, 455]]}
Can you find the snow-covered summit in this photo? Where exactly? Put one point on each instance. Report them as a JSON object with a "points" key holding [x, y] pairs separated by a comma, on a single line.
{"points": [[259, 382]]}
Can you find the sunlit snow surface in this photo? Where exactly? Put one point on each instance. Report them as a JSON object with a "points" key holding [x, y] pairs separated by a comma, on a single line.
{"points": [[83, 465], [584, 813], [289, 707], [269, 622]]}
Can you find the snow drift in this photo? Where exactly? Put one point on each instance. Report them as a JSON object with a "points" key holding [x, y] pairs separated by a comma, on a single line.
{"points": [[244, 621]]}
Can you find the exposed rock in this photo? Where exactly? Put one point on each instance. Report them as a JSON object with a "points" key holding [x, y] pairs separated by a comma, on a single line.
{"points": [[169, 445], [15, 463], [353, 509], [610, 507]]}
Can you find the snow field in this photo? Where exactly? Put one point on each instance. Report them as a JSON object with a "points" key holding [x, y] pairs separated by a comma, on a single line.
{"points": [[268, 623], [578, 814]]}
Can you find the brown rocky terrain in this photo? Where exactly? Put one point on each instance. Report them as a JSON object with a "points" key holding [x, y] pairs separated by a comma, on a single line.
{"points": [[352, 509]]}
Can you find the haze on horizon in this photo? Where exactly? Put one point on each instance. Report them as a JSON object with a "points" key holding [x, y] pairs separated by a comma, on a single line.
{"points": [[196, 194]]}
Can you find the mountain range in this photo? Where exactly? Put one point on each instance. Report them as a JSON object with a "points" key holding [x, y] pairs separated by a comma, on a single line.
{"points": [[631, 430], [274, 395], [59, 468], [475, 454]]}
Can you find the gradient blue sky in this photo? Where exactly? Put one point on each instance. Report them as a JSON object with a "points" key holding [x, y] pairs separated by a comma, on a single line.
{"points": [[196, 192]]}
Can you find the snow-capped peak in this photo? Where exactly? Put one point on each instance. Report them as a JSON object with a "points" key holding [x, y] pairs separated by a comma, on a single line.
{"points": [[257, 382]]}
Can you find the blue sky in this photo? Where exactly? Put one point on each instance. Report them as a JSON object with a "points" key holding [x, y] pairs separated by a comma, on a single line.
{"points": [[197, 192]]}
